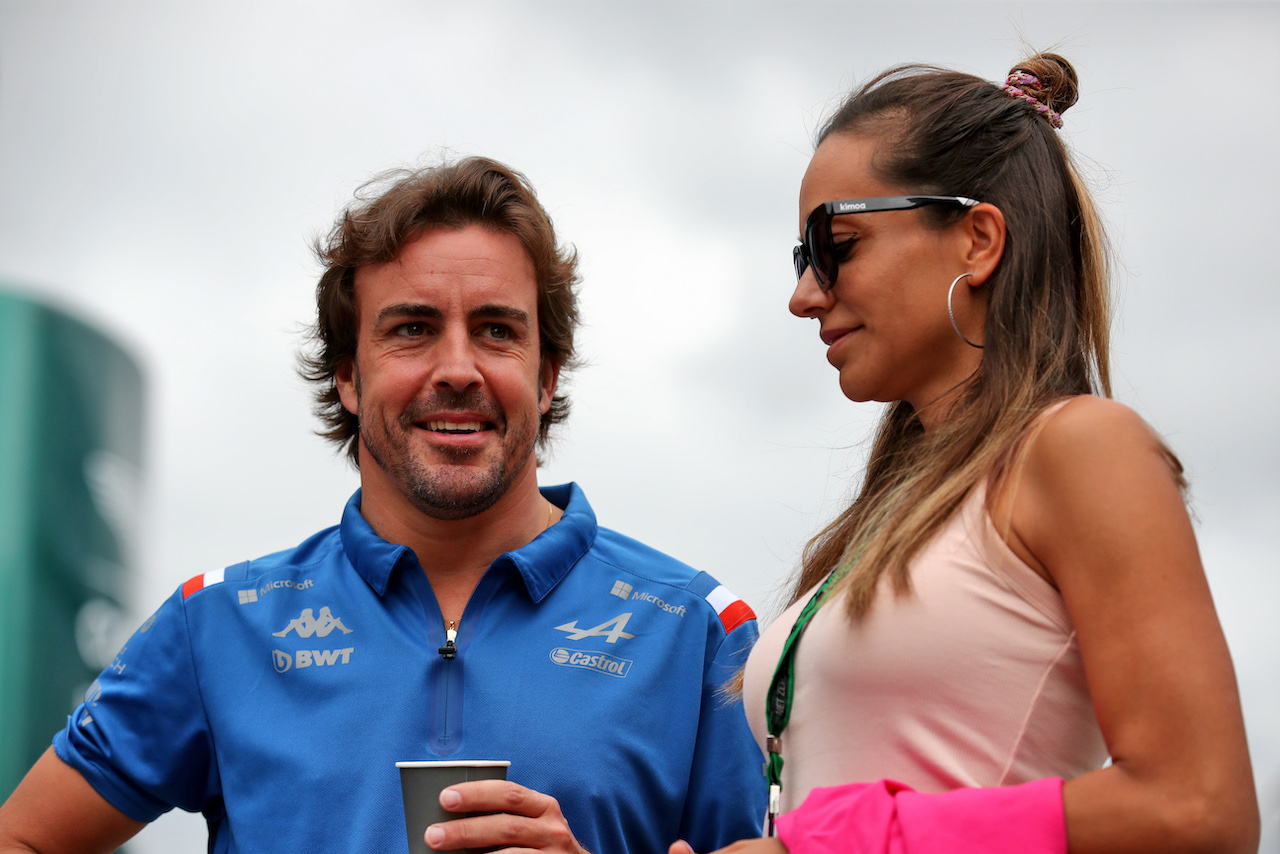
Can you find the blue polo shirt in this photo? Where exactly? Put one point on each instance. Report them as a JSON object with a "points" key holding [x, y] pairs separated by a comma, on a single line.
{"points": [[276, 696]]}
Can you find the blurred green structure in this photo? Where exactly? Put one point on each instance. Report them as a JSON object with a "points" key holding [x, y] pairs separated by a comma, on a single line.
{"points": [[71, 409]]}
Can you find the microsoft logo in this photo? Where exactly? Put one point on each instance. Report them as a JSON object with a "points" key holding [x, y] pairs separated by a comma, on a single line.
{"points": [[247, 596], [621, 589]]}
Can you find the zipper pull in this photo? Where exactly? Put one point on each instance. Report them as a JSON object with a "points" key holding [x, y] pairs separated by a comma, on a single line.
{"points": [[450, 649]]}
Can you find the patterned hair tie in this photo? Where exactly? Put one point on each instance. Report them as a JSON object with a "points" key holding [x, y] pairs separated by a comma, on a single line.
{"points": [[1022, 78]]}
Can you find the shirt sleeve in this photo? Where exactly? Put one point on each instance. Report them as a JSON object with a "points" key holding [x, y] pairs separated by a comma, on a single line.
{"points": [[140, 737], [727, 790]]}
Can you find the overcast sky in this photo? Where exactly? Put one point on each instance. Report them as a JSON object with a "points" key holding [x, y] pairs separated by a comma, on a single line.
{"points": [[164, 165]]}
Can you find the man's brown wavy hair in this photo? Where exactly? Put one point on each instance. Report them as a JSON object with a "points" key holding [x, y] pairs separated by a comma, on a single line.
{"points": [[393, 210]]}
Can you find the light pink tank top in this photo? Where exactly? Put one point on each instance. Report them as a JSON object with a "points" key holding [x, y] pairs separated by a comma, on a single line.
{"points": [[973, 678]]}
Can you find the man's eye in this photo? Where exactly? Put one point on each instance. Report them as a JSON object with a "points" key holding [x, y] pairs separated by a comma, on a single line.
{"points": [[497, 331], [413, 330]]}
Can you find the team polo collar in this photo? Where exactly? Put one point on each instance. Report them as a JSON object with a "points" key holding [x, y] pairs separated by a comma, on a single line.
{"points": [[542, 563], [373, 557], [548, 559]]}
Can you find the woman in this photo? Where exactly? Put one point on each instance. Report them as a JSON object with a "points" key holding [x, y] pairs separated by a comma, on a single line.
{"points": [[1016, 594]]}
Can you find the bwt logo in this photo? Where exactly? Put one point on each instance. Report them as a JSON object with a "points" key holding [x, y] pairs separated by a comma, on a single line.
{"points": [[597, 661], [285, 662]]}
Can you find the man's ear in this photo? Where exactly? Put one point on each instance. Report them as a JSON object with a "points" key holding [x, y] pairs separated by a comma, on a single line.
{"points": [[347, 380], [548, 378], [984, 233]]}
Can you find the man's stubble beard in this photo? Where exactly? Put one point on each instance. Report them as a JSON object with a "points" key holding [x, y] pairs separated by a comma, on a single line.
{"points": [[444, 491]]}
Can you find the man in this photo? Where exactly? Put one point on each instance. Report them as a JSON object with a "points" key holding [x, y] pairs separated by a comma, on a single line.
{"points": [[456, 612]]}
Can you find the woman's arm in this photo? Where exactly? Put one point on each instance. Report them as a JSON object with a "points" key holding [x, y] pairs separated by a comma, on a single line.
{"points": [[1098, 511]]}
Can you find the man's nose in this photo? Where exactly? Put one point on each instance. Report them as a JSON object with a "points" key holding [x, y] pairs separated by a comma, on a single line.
{"points": [[455, 366]]}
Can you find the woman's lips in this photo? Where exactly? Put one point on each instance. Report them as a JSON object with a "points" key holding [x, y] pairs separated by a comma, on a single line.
{"points": [[833, 338]]}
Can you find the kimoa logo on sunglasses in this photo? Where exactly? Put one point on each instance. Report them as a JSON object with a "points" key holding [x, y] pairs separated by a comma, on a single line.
{"points": [[852, 206]]}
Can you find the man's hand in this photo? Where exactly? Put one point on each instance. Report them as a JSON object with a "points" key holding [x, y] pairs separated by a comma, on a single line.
{"points": [[526, 819], [742, 846]]}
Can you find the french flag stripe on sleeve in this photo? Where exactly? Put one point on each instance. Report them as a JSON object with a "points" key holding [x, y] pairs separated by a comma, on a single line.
{"points": [[200, 582], [732, 610]]}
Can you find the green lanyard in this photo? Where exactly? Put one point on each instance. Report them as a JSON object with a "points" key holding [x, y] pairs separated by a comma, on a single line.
{"points": [[778, 702]]}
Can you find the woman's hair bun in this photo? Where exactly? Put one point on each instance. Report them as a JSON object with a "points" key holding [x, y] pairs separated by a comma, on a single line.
{"points": [[1057, 88]]}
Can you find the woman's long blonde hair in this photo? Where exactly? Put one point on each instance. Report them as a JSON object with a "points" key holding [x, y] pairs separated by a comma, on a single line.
{"points": [[1047, 331]]}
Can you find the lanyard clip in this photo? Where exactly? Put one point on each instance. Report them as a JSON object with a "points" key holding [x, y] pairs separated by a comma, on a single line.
{"points": [[773, 770], [775, 797]]}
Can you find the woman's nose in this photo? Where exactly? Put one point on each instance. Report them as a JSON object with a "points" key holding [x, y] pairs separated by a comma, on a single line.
{"points": [[808, 299]]}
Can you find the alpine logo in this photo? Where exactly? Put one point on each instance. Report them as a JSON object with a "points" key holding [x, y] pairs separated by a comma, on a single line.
{"points": [[610, 630], [307, 624], [597, 661], [285, 662]]}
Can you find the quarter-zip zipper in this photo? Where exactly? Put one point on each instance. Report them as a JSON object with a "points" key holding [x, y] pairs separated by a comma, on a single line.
{"points": [[449, 652], [450, 648]]}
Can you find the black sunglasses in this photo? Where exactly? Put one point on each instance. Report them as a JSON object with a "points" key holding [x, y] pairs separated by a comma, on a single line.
{"points": [[817, 246]]}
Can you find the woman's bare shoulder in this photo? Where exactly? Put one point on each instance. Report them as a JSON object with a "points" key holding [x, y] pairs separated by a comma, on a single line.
{"points": [[1089, 429], [1094, 470]]}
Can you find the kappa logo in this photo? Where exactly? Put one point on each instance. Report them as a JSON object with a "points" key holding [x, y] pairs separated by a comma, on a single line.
{"points": [[285, 662], [610, 630], [307, 624]]}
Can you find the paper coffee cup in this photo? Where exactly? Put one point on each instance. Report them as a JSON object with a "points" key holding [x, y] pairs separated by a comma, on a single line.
{"points": [[421, 784]]}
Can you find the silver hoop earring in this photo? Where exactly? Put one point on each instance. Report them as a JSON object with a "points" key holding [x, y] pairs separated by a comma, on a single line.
{"points": [[952, 315]]}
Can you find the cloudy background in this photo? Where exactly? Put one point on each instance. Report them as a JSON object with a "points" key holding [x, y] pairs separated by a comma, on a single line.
{"points": [[163, 166]]}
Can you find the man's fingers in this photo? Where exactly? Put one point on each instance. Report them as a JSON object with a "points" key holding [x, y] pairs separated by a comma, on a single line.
{"points": [[497, 796], [501, 830], [519, 818], [481, 831]]}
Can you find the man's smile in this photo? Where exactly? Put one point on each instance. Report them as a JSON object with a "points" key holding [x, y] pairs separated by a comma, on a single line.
{"points": [[458, 427]]}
